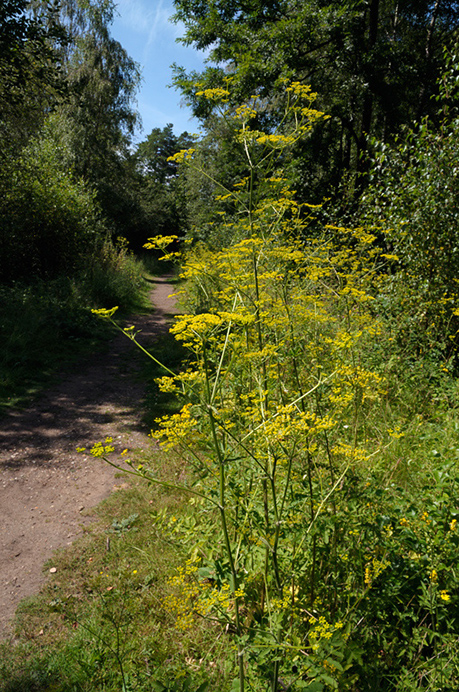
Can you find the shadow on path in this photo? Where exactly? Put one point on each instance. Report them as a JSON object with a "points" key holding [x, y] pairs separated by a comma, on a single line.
{"points": [[44, 482]]}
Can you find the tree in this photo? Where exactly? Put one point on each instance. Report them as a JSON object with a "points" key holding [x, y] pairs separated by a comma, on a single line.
{"points": [[102, 80], [374, 65], [413, 198], [97, 116], [50, 222], [31, 81], [162, 192], [154, 152], [66, 118]]}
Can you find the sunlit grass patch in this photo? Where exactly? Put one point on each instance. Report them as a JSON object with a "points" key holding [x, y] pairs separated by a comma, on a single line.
{"points": [[100, 620]]}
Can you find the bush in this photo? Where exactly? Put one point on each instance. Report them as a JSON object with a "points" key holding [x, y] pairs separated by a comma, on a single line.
{"points": [[50, 222], [413, 199], [319, 544], [114, 276]]}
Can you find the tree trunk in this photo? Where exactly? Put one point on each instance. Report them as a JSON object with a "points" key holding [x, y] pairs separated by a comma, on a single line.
{"points": [[367, 106]]}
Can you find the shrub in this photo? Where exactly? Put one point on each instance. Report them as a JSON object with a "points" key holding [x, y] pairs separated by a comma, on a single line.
{"points": [[50, 221]]}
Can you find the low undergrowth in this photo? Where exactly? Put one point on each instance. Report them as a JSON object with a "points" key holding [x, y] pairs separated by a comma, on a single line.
{"points": [[47, 324]]}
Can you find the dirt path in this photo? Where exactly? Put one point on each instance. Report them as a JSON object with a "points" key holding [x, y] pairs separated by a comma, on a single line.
{"points": [[45, 485]]}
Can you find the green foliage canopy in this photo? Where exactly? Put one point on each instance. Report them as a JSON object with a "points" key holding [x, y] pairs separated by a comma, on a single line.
{"points": [[31, 80], [50, 221], [374, 65], [66, 117], [162, 188]]}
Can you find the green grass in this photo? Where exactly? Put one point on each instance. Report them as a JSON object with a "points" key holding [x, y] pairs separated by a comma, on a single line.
{"points": [[100, 623]]}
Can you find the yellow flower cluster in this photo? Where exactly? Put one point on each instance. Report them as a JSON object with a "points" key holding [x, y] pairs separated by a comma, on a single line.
{"points": [[160, 241], [101, 449], [322, 631], [167, 384], [217, 94], [275, 139], [182, 156], [288, 421], [373, 569], [301, 90], [193, 329], [245, 113], [181, 604], [103, 312], [395, 433], [175, 429], [194, 597]]}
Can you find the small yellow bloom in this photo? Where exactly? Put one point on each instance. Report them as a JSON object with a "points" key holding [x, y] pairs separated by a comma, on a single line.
{"points": [[160, 241], [368, 579], [452, 525], [99, 449], [444, 595], [395, 433], [103, 312]]}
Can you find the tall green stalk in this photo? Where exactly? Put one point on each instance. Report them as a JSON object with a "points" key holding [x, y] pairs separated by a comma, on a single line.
{"points": [[224, 524]]}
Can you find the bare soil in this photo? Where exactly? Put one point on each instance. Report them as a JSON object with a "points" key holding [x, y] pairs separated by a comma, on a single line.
{"points": [[46, 486]]}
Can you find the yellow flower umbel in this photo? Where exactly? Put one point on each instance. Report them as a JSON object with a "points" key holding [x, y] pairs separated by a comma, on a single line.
{"points": [[322, 630], [101, 449], [103, 312], [176, 429], [373, 569]]}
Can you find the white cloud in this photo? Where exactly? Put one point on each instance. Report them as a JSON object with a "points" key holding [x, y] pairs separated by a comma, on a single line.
{"points": [[151, 18], [147, 17], [160, 24]]}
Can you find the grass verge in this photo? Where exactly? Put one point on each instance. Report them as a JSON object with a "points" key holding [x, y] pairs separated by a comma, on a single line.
{"points": [[100, 622]]}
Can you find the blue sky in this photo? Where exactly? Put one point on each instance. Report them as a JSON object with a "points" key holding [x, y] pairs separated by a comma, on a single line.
{"points": [[144, 30]]}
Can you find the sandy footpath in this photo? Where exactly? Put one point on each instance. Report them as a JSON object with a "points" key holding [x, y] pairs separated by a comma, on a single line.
{"points": [[45, 484]]}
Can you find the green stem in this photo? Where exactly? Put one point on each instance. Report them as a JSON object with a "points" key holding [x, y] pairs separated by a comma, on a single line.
{"points": [[164, 484], [224, 524], [144, 350]]}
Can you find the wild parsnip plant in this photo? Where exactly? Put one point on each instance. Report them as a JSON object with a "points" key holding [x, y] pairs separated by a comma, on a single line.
{"points": [[277, 397], [294, 548]]}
